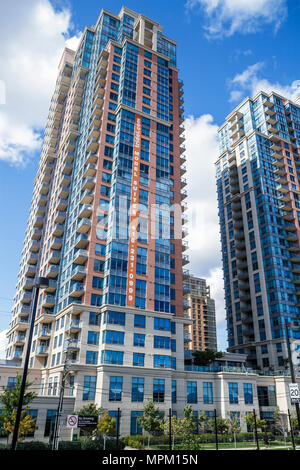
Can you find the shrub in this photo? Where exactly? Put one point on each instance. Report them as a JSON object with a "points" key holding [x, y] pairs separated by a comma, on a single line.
{"points": [[69, 445], [137, 442], [33, 445]]}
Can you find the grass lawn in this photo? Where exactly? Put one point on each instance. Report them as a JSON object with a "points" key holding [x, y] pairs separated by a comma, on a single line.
{"points": [[230, 445]]}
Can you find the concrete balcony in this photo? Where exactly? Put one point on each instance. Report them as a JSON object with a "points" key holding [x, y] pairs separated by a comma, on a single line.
{"points": [[77, 290], [73, 345], [42, 350], [88, 183], [74, 326], [80, 257], [48, 301], [56, 243], [93, 145], [30, 270], [90, 170], [241, 255], [185, 274], [34, 246], [38, 222], [60, 217], [28, 283], [185, 260], [82, 240], [85, 211], [64, 192], [26, 298], [52, 272], [44, 189], [36, 234], [66, 180], [45, 333], [51, 288], [58, 230], [84, 226], [33, 258], [67, 168], [54, 257], [20, 339], [78, 273]]}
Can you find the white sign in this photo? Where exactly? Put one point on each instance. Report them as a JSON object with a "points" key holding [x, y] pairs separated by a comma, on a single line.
{"points": [[294, 393], [72, 421]]}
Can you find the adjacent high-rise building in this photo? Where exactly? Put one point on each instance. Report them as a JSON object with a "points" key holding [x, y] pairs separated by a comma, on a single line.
{"points": [[259, 210], [203, 333], [106, 219]]}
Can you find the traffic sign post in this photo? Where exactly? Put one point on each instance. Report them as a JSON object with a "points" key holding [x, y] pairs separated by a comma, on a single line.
{"points": [[294, 393]]}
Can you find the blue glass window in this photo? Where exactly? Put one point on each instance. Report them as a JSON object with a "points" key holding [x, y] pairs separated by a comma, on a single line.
{"points": [[207, 393], [158, 390], [139, 321], [115, 388], [113, 337], [233, 393], [191, 392], [138, 359], [112, 357], [139, 340], [89, 388], [248, 394], [137, 392]]}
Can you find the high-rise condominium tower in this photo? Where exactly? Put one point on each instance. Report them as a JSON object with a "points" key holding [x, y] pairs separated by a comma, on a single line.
{"points": [[203, 334], [259, 211], [106, 217]]}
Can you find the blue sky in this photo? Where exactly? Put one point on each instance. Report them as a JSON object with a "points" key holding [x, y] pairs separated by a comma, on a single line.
{"points": [[227, 50]]}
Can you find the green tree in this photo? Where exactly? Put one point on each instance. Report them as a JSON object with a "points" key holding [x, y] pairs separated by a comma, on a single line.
{"points": [[10, 400], [151, 421], [260, 423], [281, 422], [107, 426], [222, 425], [176, 428], [233, 426], [89, 410], [206, 357]]}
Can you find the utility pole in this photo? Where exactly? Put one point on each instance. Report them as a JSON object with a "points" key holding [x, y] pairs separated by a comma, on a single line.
{"points": [[170, 429], [41, 283], [292, 371], [118, 427], [216, 430], [57, 425], [292, 431]]}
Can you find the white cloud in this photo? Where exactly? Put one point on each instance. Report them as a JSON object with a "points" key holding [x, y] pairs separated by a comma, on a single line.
{"points": [[3, 344], [204, 240], [33, 35], [226, 17], [250, 83]]}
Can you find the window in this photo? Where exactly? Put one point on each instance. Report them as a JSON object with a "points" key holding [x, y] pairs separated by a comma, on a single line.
{"points": [[135, 426], [114, 318], [11, 383], [233, 393], [115, 388], [112, 357], [138, 359], [89, 388], [158, 390], [248, 394], [174, 391], [161, 361], [139, 340], [94, 319], [93, 337], [207, 393], [162, 342], [191, 392], [50, 422], [113, 337], [137, 390], [91, 357], [163, 324], [139, 321]]}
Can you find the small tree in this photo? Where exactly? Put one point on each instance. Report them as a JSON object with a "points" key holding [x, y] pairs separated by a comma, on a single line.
{"points": [[89, 410], [233, 426], [176, 428], [10, 400], [260, 423], [280, 423], [222, 425], [151, 421], [107, 426], [26, 426]]}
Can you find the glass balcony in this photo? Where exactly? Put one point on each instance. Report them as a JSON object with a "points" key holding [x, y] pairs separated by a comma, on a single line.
{"points": [[84, 226], [78, 273], [54, 257], [80, 257], [85, 211], [52, 272], [77, 290]]}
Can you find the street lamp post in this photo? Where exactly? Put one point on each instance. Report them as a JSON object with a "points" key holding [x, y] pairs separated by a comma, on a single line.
{"points": [[41, 283], [292, 371]]}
